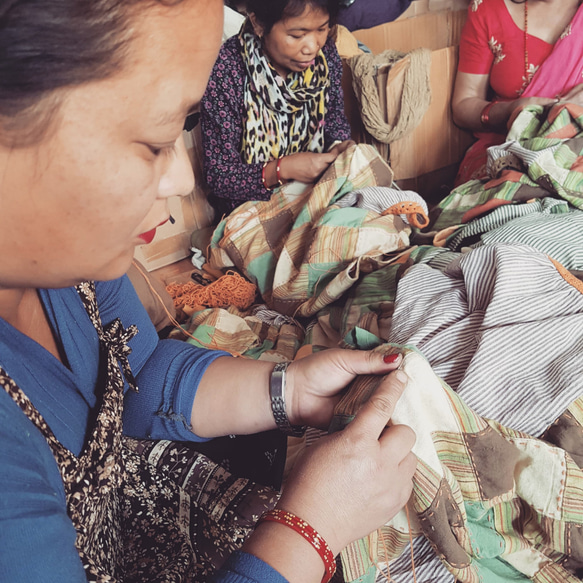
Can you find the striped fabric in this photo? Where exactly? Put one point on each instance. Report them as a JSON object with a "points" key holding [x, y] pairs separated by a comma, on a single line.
{"points": [[542, 157], [504, 328], [380, 198], [495, 502], [552, 226]]}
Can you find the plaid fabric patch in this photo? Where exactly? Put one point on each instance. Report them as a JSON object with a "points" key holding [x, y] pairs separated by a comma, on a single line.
{"points": [[304, 252], [489, 499], [543, 156]]}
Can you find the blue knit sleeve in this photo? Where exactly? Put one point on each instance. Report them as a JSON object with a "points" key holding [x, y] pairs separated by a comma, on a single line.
{"points": [[167, 382], [167, 371], [245, 568]]}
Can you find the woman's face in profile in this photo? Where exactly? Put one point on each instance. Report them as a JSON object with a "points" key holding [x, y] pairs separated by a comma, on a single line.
{"points": [[75, 205], [292, 44]]}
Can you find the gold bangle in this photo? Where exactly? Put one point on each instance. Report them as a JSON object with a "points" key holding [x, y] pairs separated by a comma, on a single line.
{"points": [[277, 171]]}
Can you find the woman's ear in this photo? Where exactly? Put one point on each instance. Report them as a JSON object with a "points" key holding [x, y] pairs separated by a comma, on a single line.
{"points": [[257, 28]]}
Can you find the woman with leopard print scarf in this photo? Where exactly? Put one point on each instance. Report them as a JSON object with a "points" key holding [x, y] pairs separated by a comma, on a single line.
{"points": [[274, 109]]}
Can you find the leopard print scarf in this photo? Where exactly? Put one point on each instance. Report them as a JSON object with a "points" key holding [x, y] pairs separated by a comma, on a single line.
{"points": [[284, 116]]}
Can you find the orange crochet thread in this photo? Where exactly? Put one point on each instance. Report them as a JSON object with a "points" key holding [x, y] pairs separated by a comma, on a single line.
{"points": [[229, 290], [414, 211], [176, 323]]}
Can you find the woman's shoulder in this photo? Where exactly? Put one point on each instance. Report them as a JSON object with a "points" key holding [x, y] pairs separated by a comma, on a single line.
{"points": [[229, 69], [485, 9], [230, 53], [329, 49], [487, 17]]}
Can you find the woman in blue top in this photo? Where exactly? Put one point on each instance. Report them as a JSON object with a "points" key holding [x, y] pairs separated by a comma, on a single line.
{"points": [[93, 98]]}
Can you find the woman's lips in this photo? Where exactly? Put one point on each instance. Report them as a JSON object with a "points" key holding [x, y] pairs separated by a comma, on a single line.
{"points": [[148, 236], [305, 64]]}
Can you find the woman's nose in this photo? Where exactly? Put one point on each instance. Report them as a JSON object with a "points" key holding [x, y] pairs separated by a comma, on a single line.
{"points": [[310, 46], [178, 180]]}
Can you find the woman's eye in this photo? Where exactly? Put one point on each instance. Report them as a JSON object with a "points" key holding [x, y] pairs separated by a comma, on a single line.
{"points": [[158, 151]]}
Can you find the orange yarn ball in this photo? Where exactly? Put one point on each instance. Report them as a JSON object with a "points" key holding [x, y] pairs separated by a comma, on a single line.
{"points": [[229, 290]]}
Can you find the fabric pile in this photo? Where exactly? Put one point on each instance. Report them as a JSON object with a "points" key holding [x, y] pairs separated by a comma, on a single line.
{"points": [[490, 319]]}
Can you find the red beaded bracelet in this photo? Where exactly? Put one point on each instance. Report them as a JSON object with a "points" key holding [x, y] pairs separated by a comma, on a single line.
{"points": [[485, 115], [303, 528]]}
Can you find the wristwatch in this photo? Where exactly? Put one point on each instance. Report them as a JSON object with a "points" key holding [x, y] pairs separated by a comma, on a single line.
{"points": [[277, 395]]}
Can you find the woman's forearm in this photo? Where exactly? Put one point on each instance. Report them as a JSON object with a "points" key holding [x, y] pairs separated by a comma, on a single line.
{"points": [[468, 114], [298, 563], [233, 398], [480, 115]]}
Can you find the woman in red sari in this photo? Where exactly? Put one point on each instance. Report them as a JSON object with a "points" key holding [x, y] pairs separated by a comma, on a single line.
{"points": [[514, 53]]}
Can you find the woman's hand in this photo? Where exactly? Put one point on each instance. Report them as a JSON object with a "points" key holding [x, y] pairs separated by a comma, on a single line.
{"points": [[352, 482], [314, 383], [305, 166], [341, 147], [345, 486]]}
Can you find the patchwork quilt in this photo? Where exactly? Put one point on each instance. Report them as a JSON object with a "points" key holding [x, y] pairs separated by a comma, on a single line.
{"points": [[490, 319]]}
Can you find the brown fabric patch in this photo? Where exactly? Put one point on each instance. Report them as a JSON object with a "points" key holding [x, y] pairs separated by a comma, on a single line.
{"points": [[575, 545], [494, 460], [235, 256], [567, 434], [277, 229], [382, 172], [437, 523], [576, 146], [546, 182], [527, 192]]}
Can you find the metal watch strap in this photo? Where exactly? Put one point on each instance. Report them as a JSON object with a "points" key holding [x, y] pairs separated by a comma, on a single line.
{"points": [[277, 395]]}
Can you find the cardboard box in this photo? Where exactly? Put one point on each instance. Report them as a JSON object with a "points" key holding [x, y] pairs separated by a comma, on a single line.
{"points": [[436, 143], [172, 241], [433, 30]]}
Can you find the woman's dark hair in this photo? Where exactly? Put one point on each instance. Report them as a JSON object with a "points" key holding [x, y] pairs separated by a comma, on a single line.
{"points": [[48, 45], [269, 12]]}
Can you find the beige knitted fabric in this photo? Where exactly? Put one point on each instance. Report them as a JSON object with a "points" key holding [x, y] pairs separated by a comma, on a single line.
{"points": [[415, 97]]}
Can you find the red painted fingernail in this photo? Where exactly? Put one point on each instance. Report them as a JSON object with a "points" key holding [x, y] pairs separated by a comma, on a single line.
{"points": [[390, 358]]}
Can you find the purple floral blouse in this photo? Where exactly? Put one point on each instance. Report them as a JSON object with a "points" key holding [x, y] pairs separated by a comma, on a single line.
{"points": [[231, 180]]}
